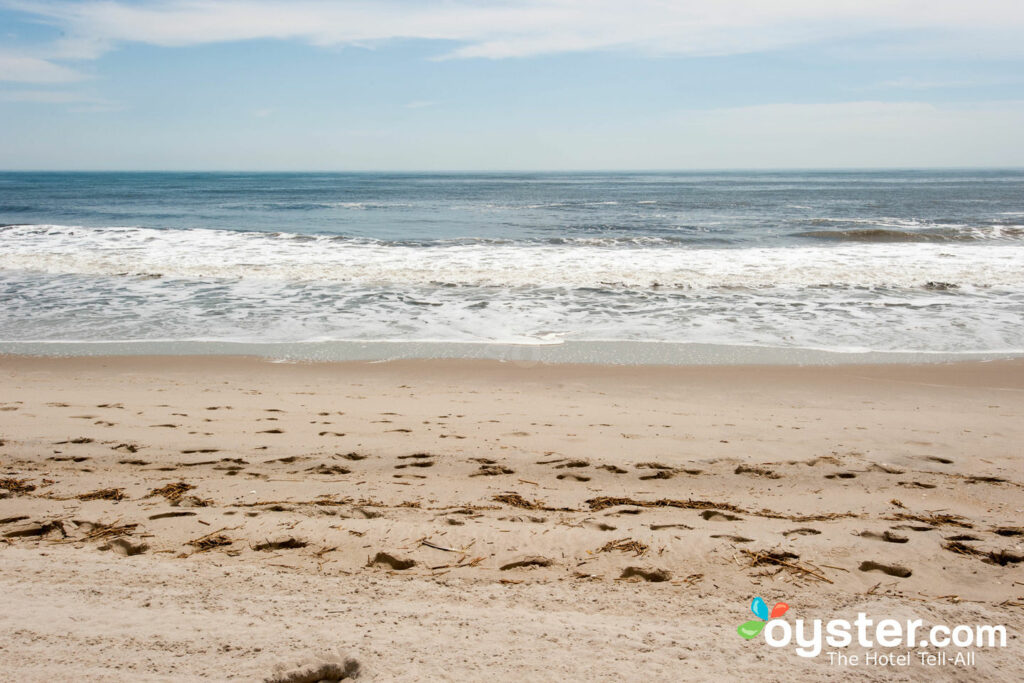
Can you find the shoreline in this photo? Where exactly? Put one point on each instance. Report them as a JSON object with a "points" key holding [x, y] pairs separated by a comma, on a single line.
{"points": [[969, 372], [626, 353], [592, 521]]}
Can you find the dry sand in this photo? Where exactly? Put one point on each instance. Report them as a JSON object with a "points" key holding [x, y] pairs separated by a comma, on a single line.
{"points": [[553, 499]]}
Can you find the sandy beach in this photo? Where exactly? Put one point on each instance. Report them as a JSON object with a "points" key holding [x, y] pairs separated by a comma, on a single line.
{"points": [[234, 518]]}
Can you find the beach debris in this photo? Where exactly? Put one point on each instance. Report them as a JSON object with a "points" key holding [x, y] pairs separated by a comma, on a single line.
{"points": [[16, 486], [492, 470], [214, 539], [886, 468], [931, 519], [439, 547], [645, 574], [602, 502], [516, 500], [1009, 531], [103, 494], [175, 495], [283, 543], [382, 559], [527, 561], [102, 530], [756, 471], [999, 557], [172, 492], [624, 545], [786, 560]]}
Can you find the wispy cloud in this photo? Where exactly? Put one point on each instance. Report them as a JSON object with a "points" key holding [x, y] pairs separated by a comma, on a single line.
{"points": [[907, 83], [27, 69], [498, 29], [78, 102]]}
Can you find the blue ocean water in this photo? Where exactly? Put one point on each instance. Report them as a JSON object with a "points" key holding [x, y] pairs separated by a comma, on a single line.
{"points": [[918, 262]]}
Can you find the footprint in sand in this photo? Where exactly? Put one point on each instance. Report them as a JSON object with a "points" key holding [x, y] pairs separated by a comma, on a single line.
{"points": [[716, 516], [418, 463], [803, 531], [329, 469], [645, 574], [492, 470], [351, 456], [168, 515], [388, 560], [757, 471], [889, 569], [574, 477], [1009, 531], [734, 539], [572, 463], [887, 536]]}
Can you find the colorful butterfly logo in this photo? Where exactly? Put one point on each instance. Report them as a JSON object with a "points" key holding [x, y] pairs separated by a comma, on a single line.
{"points": [[751, 628]]}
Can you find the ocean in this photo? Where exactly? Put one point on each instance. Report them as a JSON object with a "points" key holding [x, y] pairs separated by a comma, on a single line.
{"points": [[604, 267]]}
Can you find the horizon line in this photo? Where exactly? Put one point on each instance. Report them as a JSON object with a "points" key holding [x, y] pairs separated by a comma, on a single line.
{"points": [[710, 169]]}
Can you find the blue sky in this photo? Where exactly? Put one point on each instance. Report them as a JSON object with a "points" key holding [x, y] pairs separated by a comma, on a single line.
{"points": [[460, 85]]}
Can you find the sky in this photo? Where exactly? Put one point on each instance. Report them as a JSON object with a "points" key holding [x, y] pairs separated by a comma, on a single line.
{"points": [[295, 85]]}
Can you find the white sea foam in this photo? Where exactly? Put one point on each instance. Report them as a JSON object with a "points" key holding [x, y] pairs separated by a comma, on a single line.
{"points": [[63, 283], [218, 254]]}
